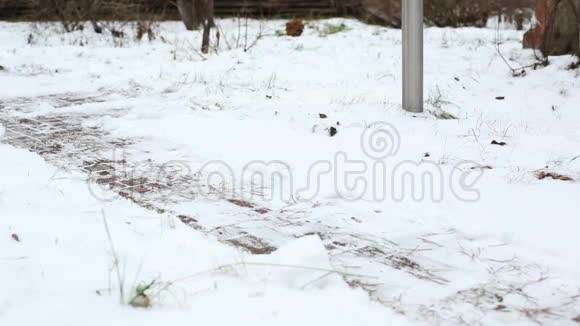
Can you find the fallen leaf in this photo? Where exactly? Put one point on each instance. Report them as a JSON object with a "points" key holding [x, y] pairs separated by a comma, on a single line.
{"points": [[555, 176], [495, 142], [333, 131]]}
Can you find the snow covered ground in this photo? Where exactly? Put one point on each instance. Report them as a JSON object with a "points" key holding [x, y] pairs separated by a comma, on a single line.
{"points": [[494, 244]]}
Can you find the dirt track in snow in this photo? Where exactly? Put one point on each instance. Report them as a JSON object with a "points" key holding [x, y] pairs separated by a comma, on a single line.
{"points": [[368, 261]]}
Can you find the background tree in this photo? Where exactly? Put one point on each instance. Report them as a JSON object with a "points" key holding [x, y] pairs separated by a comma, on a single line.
{"points": [[189, 14], [557, 30], [208, 22]]}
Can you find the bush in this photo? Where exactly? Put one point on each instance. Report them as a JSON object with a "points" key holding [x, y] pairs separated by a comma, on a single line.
{"points": [[453, 13], [117, 19]]}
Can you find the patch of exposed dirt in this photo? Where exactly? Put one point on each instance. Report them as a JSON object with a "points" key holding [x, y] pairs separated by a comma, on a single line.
{"points": [[247, 204], [253, 244], [401, 262], [552, 175]]}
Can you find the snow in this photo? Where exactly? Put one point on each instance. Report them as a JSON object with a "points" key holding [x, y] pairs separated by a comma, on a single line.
{"points": [[263, 104], [63, 257]]}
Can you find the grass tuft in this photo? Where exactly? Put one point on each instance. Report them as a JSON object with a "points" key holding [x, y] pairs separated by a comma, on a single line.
{"points": [[329, 29], [438, 101], [140, 297], [443, 115]]}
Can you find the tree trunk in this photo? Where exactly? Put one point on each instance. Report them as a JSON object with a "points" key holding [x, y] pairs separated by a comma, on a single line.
{"points": [[208, 23], [558, 30], [577, 13], [188, 14]]}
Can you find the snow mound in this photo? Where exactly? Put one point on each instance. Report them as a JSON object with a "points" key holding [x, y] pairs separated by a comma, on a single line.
{"points": [[301, 264], [574, 164]]}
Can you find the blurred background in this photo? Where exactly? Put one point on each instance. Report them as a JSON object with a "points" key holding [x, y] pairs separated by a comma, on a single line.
{"points": [[438, 12]]}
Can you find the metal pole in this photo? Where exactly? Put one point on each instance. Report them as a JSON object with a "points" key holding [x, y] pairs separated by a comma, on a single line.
{"points": [[413, 55]]}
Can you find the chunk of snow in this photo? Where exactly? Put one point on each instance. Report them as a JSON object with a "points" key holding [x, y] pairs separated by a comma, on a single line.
{"points": [[303, 263]]}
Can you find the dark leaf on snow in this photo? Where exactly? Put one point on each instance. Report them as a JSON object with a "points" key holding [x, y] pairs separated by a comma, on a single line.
{"points": [[333, 131], [495, 142]]}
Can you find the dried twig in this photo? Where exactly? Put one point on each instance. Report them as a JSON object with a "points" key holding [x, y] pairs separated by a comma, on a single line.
{"points": [[116, 266], [519, 71]]}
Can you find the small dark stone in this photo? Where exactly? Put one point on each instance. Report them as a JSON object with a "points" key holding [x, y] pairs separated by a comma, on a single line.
{"points": [[333, 131], [500, 98], [322, 116], [15, 237], [97, 28]]}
